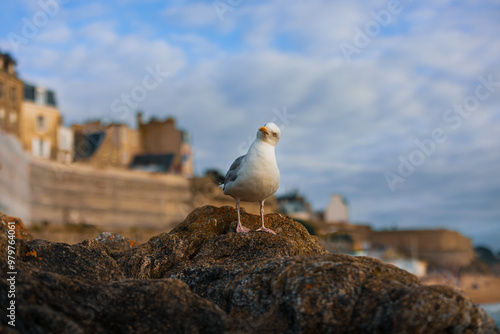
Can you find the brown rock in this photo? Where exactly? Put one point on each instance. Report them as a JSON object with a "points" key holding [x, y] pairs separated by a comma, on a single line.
{"points": [[81, 261], [21, 232], [52, 303], [114, 242], [207, 236], [333, 294]]}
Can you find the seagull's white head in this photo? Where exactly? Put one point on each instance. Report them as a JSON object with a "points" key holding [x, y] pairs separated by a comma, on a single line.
{"points": [[269, 133]]}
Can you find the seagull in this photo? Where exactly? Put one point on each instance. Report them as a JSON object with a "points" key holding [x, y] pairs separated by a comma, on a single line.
{"points": [[254, 177]]}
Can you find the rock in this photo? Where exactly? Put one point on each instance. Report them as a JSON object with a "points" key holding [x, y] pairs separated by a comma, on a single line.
{"points": [[86, 260], [202, 277], [21, 232], [333, 294], [52, 303], [207, 236], [115, 242]]}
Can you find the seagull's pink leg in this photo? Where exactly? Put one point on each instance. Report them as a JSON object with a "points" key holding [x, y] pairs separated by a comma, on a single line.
{"points": [[263, 228], [240, 228]]}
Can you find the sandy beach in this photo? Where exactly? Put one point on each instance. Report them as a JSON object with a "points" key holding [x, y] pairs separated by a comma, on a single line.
{"points": [[481, 289]]}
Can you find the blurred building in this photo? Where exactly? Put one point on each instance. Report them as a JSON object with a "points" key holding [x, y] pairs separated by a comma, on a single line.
{"points": [[11, 95], [157, 146], [345, 237], [65, 137], [413, 250], [88, 138], [163, 147], [112, 145], [336, 212], [40, 122], [414, 266], [30, 113], [439, 248], [295, 206]]}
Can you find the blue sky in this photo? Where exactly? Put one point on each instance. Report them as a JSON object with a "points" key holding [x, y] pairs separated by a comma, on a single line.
{"points": [[405, 123]]}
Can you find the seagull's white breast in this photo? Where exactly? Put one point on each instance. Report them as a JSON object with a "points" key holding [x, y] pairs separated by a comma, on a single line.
{"points": [[258, 177]]}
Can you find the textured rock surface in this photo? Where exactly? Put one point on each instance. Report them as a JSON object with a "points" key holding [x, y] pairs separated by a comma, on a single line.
{"points": [[52, 303], [21, 231], [332, 294], [207, 237], [202, 277]]}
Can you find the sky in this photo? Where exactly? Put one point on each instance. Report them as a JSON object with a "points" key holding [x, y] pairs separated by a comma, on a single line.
{"points": [[395, 105]]}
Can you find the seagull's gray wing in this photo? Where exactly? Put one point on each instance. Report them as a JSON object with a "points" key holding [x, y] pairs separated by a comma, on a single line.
{"points": [[232, 173]]}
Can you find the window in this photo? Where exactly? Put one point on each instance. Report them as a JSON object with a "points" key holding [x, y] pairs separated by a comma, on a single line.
{"points": [[13, 96], [51, 98], [40, 148], [10, 68], [40, 123], [13, 117], [29, 92]]}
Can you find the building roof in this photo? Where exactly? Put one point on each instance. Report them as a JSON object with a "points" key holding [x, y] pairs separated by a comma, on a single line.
{"points": [[87, 144], [153, 162], [8, 59], [39, 95]]}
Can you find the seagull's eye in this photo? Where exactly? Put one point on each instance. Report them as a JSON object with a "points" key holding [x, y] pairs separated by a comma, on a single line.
{"points": [[275, 134]]}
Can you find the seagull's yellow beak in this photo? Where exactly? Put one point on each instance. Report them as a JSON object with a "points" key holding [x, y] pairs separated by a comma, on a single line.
{"points": [[263, 129]]}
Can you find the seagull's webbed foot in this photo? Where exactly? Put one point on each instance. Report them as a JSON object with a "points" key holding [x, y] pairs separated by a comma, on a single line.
{"points": [[239, 227], [265, 229], [242, 229]]}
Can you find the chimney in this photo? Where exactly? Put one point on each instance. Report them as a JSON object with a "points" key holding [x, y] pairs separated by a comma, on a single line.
{"points": [[139, 118]]}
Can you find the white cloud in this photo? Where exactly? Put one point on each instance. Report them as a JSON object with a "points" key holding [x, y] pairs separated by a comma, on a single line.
{"points": [[101, 32], [56, 33], [191, 15]]}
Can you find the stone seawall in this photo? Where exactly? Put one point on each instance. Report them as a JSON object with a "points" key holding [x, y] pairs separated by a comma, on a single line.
{"points": [[14, 184], [47, 191]]}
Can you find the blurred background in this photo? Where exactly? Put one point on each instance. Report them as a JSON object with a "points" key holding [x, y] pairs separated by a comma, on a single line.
{"points": [[394, 106]]}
